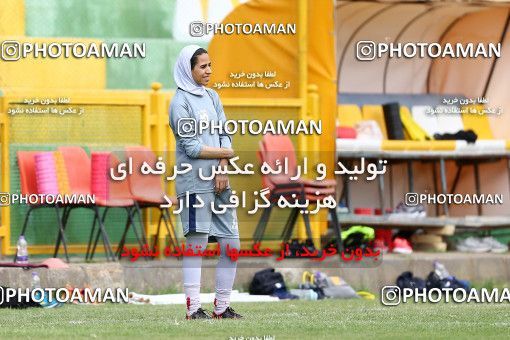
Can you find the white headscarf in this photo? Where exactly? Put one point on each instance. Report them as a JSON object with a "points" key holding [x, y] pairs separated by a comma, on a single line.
{"points": [[182, 71]]}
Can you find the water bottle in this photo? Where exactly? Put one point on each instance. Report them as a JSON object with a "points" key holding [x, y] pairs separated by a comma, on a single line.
{"points": [[22, 254], [441, 270], [305, 294], [36, 281], [36, 284], [311, 295]]}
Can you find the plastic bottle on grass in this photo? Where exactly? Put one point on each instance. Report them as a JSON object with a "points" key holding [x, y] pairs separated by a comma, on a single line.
{"points": [[305, 294], [311, 295], [440, 270], [36, 280], [22, 252], [43, 298]]}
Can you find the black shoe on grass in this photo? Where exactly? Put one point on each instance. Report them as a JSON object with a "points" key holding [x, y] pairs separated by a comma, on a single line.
{"points": [[199, 314], [229, 313]]}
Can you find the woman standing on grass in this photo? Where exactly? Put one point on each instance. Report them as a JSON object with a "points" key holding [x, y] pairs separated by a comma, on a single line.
{"points": [[192, 103]]}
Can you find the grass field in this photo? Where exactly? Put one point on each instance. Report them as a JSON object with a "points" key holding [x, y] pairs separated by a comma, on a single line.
{"points": [[329, 319]]}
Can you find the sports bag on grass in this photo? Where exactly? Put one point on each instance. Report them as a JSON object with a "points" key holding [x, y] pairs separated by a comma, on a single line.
{"points": [[266, 281]]}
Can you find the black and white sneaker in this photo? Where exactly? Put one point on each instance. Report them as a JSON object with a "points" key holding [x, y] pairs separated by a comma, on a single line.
{"points": [[413, 211], [199, 314], [229, 313]]}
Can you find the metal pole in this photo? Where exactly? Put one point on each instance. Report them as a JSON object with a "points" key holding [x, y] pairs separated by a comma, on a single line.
{"points": [[442, 170], [381, 188], [477, 187]]}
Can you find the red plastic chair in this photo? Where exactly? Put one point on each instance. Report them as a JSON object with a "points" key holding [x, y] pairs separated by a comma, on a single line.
{"points": [[77, 164], [279, 184], [28, 182], [276, 190], [275, 148], [146, 190], [112, 194], [279, 147]]}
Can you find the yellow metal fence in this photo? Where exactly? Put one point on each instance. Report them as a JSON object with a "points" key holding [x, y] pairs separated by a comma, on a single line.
{"points": [[156, 134]]}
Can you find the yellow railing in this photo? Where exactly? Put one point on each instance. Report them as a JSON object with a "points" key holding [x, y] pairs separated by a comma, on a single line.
{"points": [[5, 232], [156, 134], [141, 99]]}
